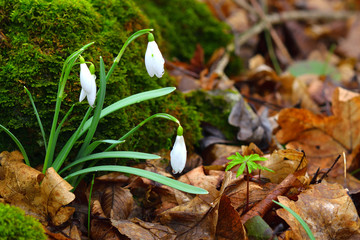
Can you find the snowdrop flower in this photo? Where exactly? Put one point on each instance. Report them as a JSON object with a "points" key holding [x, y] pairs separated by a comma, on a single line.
{"points": [[87, 81], [154, 61], [178, 153]]}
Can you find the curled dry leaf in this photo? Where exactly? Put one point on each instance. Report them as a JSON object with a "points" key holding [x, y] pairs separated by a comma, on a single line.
{"points": [[41, 196], [284, 162], [324, 138], [252, 128], [327, 209]]}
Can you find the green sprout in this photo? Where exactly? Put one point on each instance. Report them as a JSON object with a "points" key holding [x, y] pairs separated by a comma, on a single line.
{"points": [[246, 162]]}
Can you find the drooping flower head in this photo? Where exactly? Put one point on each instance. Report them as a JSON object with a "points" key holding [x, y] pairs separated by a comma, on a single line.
{"points": [[154, 61], [87, 81], [178, 153]]}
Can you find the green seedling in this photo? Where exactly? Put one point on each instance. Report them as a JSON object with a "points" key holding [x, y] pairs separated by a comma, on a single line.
{"points": [[247, 162]]}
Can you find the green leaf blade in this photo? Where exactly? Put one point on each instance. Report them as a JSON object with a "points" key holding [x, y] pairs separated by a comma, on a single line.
{"points": [[143, 173]]}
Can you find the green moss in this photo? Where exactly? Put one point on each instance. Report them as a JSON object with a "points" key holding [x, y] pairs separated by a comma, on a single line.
{"points": [[15, 225], [215, 109], [185, 23], [40, 34]]}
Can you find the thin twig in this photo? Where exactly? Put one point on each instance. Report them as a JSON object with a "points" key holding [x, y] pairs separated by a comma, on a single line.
{"points": [[278, 18], [332, 166], [273, 33]]}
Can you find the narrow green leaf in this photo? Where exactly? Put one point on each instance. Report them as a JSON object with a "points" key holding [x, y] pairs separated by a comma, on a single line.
{"points": [[95, 144], [266, 169], [299, 219], [241, 170], [143, 173], [114, 154], [69, 144], [231, 165], [157, 115], [18, 143], [37, 117], [136, 98]]}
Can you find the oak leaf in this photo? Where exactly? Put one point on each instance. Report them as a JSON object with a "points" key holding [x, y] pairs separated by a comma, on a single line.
{"points": [[324, 138]]}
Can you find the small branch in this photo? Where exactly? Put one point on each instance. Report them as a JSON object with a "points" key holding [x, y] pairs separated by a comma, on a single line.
{"points": [[266, 204], [277, 18], [273, 33]]}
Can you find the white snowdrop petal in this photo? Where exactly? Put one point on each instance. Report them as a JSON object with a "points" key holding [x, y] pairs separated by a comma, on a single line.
{"points": [[154, 60], [92, 95], [88, 85], [178, 155], [82, 95], [85, 78]]}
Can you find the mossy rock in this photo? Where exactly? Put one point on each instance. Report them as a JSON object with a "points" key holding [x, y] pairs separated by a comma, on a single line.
{"points": [[185, 23], [215, 107], [15, 225], [35, 39]]}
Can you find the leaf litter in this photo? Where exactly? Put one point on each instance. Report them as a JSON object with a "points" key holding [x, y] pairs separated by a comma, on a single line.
{"points": [[301, 121]]}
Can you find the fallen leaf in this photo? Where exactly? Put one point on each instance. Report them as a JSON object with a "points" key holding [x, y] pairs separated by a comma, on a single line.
{"points": [[283, 163], [117, 202], [44, 197], [137, 229], [327, 209], [229, 225], [104, 230], [236, 192], [252, 127], [262, 207], [324, 138], [196, 219]]}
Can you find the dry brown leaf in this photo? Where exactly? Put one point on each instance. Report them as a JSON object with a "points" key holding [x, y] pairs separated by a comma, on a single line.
{"points": [[236, 192], [72, 231], [137, 229], [169, 198], [327, 209], [283, 163], [262, 207], [197, 177], [104, 230], [324, 138], [21, 187], [229, 226], [301, 95], [117, 202], [198, 218]]}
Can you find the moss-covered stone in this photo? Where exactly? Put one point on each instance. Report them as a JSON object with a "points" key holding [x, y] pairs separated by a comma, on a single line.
{"points": [[215, 107], [37, 36], [185, 23], [15, 225]]}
